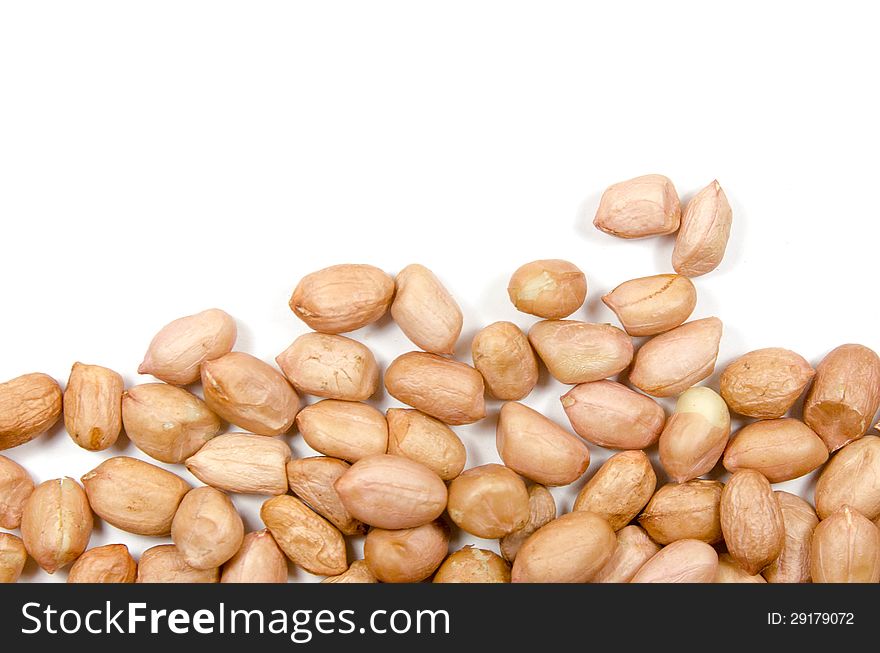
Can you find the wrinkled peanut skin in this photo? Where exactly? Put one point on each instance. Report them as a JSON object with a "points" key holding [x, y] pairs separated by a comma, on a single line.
{"points": [[330, 366], [845, 395], [683, 561], [244, 463], [620, 489], [552, 289], [342, 298], [442, 388], [259, 560], [425, 311], [793, 564], [13, 557], [765, 383], [177, 352], [358, 573], [409, 555], [470, 565], [639, 207], [729, 571], [15, 488], [135, 496], [580, 352], [29, 406], [674, 361], [207, 529], [634, 549], [391, 492], [570, 549], [312, 480], [781, 449], [426, 440], [93, 406], [489, 501], [249, 393], [56, 523], [308, 539], [682, 511], [348, 430], [104, 564], [851, 478], [652, 305], [503, 355], [611, 415], [846, 549], [542, 510], [538, 448], [704, 232], [751, 521], [165, 564]]}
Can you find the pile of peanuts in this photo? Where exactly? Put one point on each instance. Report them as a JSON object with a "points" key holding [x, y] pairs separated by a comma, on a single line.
{"points": [[400, 479]]}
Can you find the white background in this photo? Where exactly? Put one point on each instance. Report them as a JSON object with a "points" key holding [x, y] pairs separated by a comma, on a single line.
{"points": [[161, 158]]}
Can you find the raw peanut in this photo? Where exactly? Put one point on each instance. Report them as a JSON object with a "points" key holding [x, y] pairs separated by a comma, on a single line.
{"points": [[177, 352], [259, 560], [613, 416], [330, 366], [207, 529], [135, 496], [240, 462], [348, 430], [166, 422], [729, 571], [442, 388], [620, 489], [165, 564], [579, 352], [56, 523], [674, 361], [765, 383], [781, 449], [15, 488], [570, 549], [537, 448], [793, 564], [551, 289], [542, 510], [845, 395], [470, 565], [416, 436], [104, 564], [751, 521], [634, 549], [684, 511], [683, 561], [425, 311], [93, 406], [357, 573], [13, 557], [705, 229], [652, 305], [312, 480], [29, 406], [342, 298], [503, 355], [308, 539], [391, 492], [639, 207], [489, 501], [406, 556], [846, 549], [695, 436], [852, 478], [249, 393]]}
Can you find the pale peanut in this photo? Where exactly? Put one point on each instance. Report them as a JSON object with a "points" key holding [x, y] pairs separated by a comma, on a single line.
{"points": [[751, 521], [470, 565], [409, 555], [348, 430], [579, 352], [652, 305], [695, 436], [683, 511], [503, 355], [781, 449], [765, 383], [306, 538], [104, 564], [330, 366], [730, 571], [426, 440], [551, 289], [793, 564], [620, 489], [634, 549], [13, 557], [312, 480], [358, 573], [259, 560], [56, 523], [845, 549], [93, 406], [489, 501], [15, 488], [177, 352], [613, 416], [538, 448], [639, 207], [542, 510], [851, 478], [207, 529], [683, 561], [704, 232], [29, 406], [240, 462], [425, 311], [165, 564]]}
